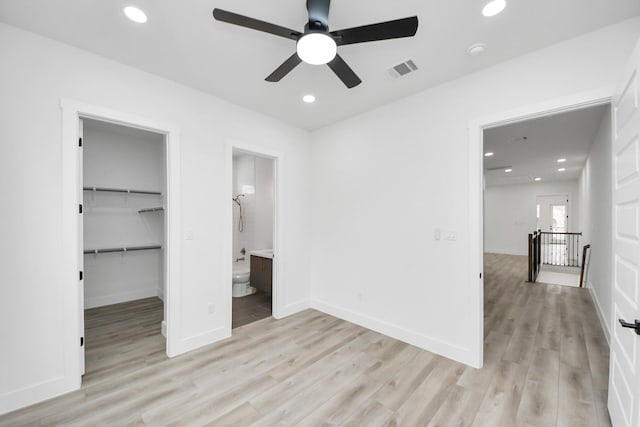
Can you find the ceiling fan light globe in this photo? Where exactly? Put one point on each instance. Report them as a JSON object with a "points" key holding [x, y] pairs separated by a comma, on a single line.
{"points": [[494, 7], [317, 48]]}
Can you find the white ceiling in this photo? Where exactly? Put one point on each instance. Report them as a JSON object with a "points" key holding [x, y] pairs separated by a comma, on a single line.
{"points": [[567, 135], [182, 42]]}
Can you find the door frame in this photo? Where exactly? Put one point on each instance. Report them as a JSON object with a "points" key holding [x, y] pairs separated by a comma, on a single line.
{"points": [[72, 112], [277, 309], [569, 203], [476, 127]]}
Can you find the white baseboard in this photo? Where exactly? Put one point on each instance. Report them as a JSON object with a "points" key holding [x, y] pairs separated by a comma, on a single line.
{"points": [[92, 302], [603, 322], [505, 252], [450, 351], [200, 340], [36, 393], [292, 309]]}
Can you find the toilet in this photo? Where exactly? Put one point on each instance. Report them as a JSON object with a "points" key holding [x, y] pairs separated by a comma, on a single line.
{"points": [[240, 280]]}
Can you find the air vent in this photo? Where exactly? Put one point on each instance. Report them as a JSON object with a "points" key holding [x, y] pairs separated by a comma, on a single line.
{"points": [[403, 69]]}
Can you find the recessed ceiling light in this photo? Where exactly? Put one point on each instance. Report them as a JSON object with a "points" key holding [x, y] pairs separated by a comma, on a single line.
{"points": [[561, 170], [508, 170], [309, 99], [135, 14], [317, 48], [562, 160], [477, 49], [489, 154], [494, 7], [537, 179]]}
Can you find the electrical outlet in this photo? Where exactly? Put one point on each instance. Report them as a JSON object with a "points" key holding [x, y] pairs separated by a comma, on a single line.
{"points": [[451, 235], [189, 234], [212, 308]]}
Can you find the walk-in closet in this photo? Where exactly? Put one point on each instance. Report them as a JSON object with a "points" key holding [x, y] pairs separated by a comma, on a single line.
{"points": [[123, 185]]}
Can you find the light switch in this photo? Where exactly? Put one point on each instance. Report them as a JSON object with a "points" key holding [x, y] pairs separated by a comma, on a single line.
{"points": [[188, 234], [436, 234]]}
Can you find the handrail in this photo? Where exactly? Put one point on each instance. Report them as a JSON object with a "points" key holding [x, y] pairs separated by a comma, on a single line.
{"points": [[129, 249], [558, 232]]}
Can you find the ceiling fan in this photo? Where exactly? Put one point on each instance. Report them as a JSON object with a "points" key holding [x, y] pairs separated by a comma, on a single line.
{"points": [[317, 45]]}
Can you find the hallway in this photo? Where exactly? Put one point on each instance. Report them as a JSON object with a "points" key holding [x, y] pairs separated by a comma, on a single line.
{"points": [[547, 341]]}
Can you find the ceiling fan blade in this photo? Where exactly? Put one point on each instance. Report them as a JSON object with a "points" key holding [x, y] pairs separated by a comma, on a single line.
{"points": [[318, 12], [344, 72], [286, 67], [406, 27], [255, 24]]}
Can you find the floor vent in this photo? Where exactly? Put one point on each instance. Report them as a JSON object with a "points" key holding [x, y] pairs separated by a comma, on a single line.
{"points": [[403, 69]]}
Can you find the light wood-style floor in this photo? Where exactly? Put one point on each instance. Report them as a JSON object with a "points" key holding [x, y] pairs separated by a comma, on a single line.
{"points": [[545, 365]]}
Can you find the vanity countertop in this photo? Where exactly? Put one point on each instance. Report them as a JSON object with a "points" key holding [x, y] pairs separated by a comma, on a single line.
{"points": [[264, 253]]}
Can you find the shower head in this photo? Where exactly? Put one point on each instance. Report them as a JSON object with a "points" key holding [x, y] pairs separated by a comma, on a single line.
{"points": [[237, 198]]}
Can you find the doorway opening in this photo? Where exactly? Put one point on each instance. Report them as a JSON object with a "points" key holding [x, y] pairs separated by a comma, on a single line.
{"points": [[253, 203], [546, 194], [123, 240], [534, 173], [477, 196]]}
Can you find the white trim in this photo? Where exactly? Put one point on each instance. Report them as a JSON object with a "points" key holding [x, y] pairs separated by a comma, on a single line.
{"points": [[39, 392], [443, 348], [605, 325], [100, 301], [505, 252], [279, 311], [163, 328], [200, 340], [293, 308], [476, 127], [72, 112]]}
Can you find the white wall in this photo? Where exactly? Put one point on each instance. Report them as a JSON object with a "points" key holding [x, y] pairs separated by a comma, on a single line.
{"points": [[596, 210], [384, 180], [117, 157], [264, 203], [510, 214], [244, 173], [36, 73], [257, 208]]}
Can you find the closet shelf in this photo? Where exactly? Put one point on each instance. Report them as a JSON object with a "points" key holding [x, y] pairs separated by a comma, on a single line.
{"points": [[122, 190], [129, 249], [157, 209]]}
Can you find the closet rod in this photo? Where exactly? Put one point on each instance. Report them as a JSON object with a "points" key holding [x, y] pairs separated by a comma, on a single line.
{"points": [[159, 208], [122, 190], [132, 248]]}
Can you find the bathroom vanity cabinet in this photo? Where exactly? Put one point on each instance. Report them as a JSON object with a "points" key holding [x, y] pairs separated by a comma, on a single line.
{"points": [[261, 273]]}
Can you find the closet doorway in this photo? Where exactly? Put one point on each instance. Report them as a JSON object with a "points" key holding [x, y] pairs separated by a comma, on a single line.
{"points": [[74, 114], [123, 174]]}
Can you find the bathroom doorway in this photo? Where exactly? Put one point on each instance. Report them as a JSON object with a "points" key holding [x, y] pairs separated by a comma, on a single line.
{"points": [[253, 204]]}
